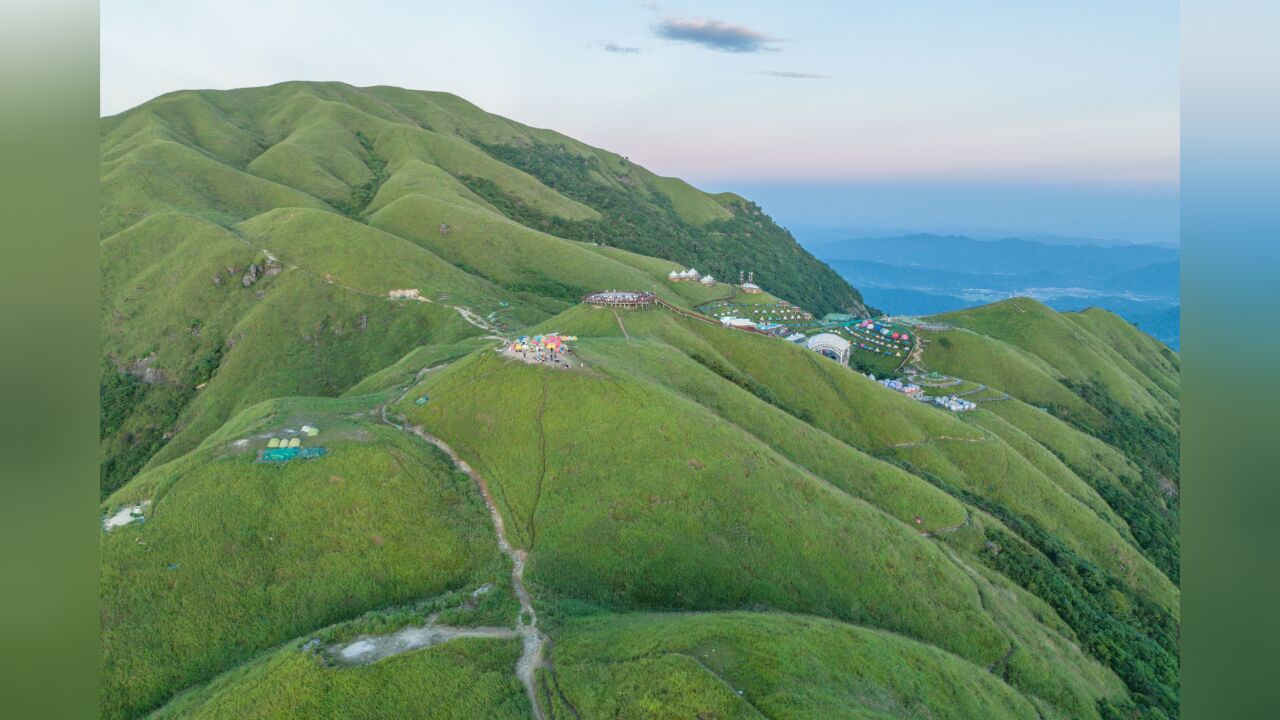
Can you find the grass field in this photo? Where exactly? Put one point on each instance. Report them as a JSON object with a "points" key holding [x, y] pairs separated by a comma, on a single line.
{"points": [[235, 557], [718, 524], [1071, 349], [627, 516], [751, 665], [460, 680]]}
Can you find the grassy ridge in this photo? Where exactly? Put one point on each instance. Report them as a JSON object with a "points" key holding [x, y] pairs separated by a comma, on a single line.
{"points": [[169, 290], [884, 424], [461, 680], [1070, 349], [1106, 379], [332, 146], [200, 186], [235, 557], [750, 665], [612, 522], [902, 495]]}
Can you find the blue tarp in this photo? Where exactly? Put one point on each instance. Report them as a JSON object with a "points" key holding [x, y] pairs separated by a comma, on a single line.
{"points": [[282, 455], [279, 454]]}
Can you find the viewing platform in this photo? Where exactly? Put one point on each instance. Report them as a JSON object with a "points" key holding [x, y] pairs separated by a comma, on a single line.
{"points": [[621, 299]]}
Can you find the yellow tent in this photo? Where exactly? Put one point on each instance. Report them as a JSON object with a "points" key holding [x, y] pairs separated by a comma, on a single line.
{"points": [[273, 443], [296, 442]]}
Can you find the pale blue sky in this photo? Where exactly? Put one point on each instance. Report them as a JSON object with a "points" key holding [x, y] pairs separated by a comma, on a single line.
{"points": [[1078, 97]]}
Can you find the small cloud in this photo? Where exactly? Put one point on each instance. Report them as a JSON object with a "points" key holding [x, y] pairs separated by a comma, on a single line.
{"points": [[620, 49], [713, 34], [790, 74]]}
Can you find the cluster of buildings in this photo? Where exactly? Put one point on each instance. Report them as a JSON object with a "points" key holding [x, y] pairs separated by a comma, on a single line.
{"points": [[746, 284], [768, 328], [690, 275], [906, 388], [950, 402], [954, 404], [738, 322]]}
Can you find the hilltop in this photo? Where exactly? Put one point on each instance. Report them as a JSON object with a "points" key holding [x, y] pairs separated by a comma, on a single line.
{"points": [[258, 232], [332, 488]]}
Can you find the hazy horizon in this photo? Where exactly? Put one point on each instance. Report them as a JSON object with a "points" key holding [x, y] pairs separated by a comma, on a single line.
{"points": [[978, 211]]}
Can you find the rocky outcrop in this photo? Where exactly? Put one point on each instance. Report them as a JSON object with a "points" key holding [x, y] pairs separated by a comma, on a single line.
{"points": [[144, 369], [251, 275]]}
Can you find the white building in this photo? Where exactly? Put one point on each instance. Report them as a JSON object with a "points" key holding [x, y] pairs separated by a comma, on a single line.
{"points": [[955, 404], [707, 280], [909, 389], [832, 346], [737, 322]]}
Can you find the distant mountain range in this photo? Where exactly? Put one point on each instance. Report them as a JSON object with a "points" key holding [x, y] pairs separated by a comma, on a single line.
{"points": [[923, 274], [815, 235]]}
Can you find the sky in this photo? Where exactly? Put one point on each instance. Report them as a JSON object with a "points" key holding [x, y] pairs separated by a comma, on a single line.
{"points": [[921, 115]]}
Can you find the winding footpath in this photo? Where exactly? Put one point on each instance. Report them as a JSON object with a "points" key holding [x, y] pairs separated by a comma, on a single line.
{"points": [[475, 319], [527, 624]]}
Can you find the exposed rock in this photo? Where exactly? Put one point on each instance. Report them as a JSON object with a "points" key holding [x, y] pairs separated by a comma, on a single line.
{"points": [[251, 276], [217, 281], [364, 322], [144, 370], [444, 228]]}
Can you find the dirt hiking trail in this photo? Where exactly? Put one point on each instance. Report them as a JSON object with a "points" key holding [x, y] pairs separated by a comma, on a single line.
{"points": [[527, 623]]}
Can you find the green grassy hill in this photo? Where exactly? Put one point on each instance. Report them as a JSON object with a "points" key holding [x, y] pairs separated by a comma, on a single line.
{"points": [[708, 522], [751, 665], [460, 680], [337, 195], [234, 557], [1096, 373]]}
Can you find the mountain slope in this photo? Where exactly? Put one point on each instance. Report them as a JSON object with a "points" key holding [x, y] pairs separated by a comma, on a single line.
{"points": [[312, 144], [284, 187], [686, 520]]}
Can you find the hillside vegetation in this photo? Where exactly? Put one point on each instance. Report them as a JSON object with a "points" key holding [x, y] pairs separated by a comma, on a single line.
{"points": [[257, 233], [678, 520]]}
